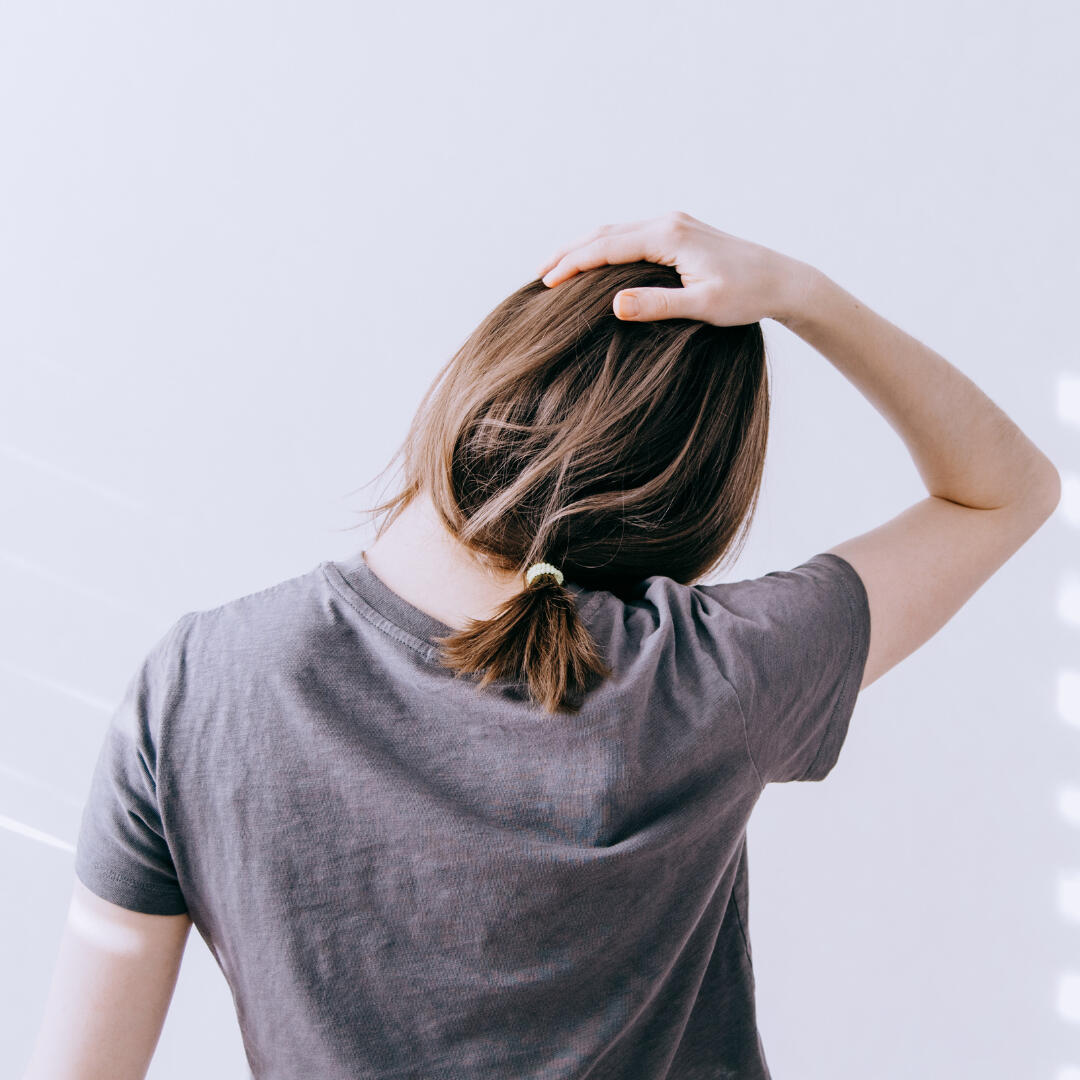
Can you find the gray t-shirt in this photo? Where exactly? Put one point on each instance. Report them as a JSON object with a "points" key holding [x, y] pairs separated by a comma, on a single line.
{"points": [[401, 875]]}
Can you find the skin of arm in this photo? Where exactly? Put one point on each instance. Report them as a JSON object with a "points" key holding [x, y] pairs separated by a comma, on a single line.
{"points": [[991, 488], [111, 988], [965, 448]]}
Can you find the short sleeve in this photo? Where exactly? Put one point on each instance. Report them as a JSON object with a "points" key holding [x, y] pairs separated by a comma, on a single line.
{"points": [[121, 853], [793, 645]]}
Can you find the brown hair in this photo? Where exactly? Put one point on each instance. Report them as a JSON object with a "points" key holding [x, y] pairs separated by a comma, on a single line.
{"points": [[613, 449]]}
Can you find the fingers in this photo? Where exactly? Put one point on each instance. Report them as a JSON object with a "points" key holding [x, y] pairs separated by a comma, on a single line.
{"points": [[581, 242], [632, 244], [596, 234]]}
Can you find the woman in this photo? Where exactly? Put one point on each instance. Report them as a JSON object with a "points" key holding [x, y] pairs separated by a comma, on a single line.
{"points": [[472, 802]]}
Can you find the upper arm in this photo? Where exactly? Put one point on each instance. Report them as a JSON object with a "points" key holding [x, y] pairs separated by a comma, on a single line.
{"points": [[123, 852], [792, 645], [127, 922], [798, 645], [922, 566], [112, 983]]}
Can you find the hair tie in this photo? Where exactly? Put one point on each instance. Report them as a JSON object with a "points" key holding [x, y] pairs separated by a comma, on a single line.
{"points": [[543, 569]]}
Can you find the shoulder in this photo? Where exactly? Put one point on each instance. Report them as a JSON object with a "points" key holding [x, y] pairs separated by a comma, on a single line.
{"points": [[663, 624], [725, 624], [255, 626]]}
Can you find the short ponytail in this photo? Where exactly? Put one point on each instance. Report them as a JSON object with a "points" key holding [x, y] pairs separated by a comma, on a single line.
{"points": [[536, 637]]}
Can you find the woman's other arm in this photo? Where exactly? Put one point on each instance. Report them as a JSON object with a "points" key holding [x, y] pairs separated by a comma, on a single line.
{"points": [[111, 987]]}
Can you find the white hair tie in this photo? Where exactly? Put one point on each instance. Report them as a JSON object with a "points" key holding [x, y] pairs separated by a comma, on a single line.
{"points": [[543, 568]]}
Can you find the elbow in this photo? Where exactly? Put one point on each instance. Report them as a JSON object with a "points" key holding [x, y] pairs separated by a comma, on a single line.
{"points": [[1050, 489]]}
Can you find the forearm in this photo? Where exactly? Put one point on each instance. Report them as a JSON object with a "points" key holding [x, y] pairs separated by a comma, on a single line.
{"points": [[965, 448]]}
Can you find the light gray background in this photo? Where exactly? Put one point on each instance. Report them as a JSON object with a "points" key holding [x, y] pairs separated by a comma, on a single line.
{"points": [[238, 240]]}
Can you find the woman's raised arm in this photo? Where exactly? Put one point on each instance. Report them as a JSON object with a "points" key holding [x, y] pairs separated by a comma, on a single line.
{"points": [[990, 488]]}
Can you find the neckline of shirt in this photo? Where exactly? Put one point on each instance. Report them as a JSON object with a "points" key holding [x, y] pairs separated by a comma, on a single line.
{"points": [[354, 572]]}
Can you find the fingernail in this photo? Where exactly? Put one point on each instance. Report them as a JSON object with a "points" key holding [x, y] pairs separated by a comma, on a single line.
{"points": [[628, 305]]}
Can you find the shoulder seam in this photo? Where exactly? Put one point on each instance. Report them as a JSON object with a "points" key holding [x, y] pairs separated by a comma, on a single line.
{"points": [[745, 726], [746, 731]]}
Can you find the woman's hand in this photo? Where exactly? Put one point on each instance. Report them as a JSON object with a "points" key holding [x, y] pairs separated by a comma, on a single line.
{"points": [[726, 281]]}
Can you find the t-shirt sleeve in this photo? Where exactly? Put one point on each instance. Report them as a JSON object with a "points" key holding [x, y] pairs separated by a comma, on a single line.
{"points": [[122, 853], [793, 645]]}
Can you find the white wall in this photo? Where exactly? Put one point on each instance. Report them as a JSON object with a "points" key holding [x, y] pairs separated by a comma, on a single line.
{"points": [[239, 239]]}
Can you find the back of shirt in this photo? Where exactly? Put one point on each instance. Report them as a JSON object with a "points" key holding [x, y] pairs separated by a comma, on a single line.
{"points": [[403, 875]]}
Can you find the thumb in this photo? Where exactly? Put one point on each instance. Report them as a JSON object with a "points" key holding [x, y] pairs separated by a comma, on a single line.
{"points": [[643, 305]]}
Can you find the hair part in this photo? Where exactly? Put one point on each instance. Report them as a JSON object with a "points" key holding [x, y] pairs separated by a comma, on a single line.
{"points": [[615, 450]]}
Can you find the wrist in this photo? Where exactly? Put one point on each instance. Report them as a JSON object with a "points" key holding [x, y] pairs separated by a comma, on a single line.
{"points": [[798, 285]]}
